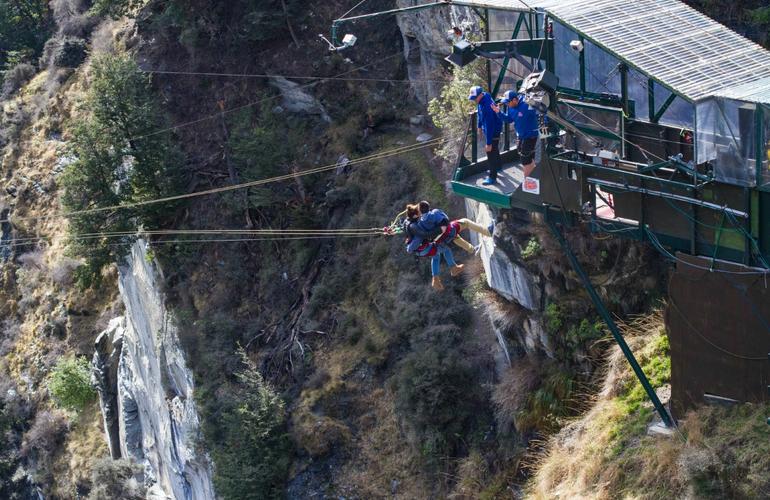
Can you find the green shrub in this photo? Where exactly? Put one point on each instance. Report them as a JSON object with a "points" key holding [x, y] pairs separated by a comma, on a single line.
{"points": [[450, 110], [533, 249], [70, 384], [24, 28], [115, 8], [548, 404], [437, 392], [585, 331], [554, 318], [70, 53]]}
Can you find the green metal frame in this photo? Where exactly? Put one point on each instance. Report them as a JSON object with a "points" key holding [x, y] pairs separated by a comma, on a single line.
{"points": [[506, 61], [607, 317]]}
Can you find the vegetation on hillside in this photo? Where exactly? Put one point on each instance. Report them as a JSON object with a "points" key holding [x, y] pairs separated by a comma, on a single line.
{"points": [[25, 26], [253, 453], [70, 383], [119, 159]]}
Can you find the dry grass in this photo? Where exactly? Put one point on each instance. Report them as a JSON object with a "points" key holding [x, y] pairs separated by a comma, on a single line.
{"points": [[85, 446], [39, 291], [385, 465], [716, 453]]}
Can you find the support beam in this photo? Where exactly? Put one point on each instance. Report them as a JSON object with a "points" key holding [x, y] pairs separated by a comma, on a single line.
{"points": [[337, 22], [507, 60], [671, 196], [650, 99], [663, 108], [582, 60], [604, 313]]}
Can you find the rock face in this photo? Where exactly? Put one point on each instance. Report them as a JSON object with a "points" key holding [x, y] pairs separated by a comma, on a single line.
{"points": [[512, 281], [147, 396], [426, 44], [297, 100], [109, 345]]}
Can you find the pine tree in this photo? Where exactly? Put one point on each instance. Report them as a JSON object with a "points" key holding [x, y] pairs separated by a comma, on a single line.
{"points": [[119, 159]]}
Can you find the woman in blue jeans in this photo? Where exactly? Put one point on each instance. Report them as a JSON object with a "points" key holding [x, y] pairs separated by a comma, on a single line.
{"points": [[423, 246]]}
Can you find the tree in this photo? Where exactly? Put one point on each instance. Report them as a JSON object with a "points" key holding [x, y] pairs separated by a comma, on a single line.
{"points": [[450, 110], [25, 25], [254, 456], [70, 384], [120, 159]]}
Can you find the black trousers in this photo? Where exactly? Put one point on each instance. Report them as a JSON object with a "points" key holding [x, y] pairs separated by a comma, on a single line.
{"points": [[493, 158]]}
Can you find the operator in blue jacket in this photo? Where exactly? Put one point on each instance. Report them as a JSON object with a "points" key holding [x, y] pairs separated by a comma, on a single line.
{"points": [[490, 125], [525, 121]]}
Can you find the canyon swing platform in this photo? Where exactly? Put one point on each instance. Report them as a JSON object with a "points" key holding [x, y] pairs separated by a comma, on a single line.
{"points": [[659, 131]]}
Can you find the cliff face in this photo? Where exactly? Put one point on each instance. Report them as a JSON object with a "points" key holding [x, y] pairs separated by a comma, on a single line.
{"points": [[146, 388]]}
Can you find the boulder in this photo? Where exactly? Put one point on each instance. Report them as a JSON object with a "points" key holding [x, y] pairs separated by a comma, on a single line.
{"points": [[297, 100]]}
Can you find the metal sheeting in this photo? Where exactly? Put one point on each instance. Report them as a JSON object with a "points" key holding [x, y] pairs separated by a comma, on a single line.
{"points": [[681, 48], [495, 4]]}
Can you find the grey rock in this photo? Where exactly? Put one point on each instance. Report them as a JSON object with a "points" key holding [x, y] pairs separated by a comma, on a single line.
{"points": [[507, 278], [297, 100], [417, 120], [106, 359], [152, 390], [424, 137]]}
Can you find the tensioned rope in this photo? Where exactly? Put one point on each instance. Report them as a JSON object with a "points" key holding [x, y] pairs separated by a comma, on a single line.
{"points": [[267, 236], [260, 182], [287, 77], [359, 4]]}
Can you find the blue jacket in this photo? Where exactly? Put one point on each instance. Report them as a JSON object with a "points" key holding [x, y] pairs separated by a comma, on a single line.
{"points": [[415, 237], [433, 220], [489, 122], [524, 119]]}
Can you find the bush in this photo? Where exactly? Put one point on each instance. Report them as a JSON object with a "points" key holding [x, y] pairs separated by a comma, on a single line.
{"points": [[115, 8], [116, 479], [119, 161], [450, 110], [13, 412], [70, 384], [16, 77], [437, 391], [554, 318], [41, 442], [533, 249], [69, 52]]}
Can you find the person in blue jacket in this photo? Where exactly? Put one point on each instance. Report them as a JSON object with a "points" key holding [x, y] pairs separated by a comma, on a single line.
{"points": [[422, 245], [525, 121], [490, 124]]}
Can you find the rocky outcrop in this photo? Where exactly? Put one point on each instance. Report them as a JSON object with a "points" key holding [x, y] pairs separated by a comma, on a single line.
{"points": [[296, 100], [147, 396], [426, 44]]}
